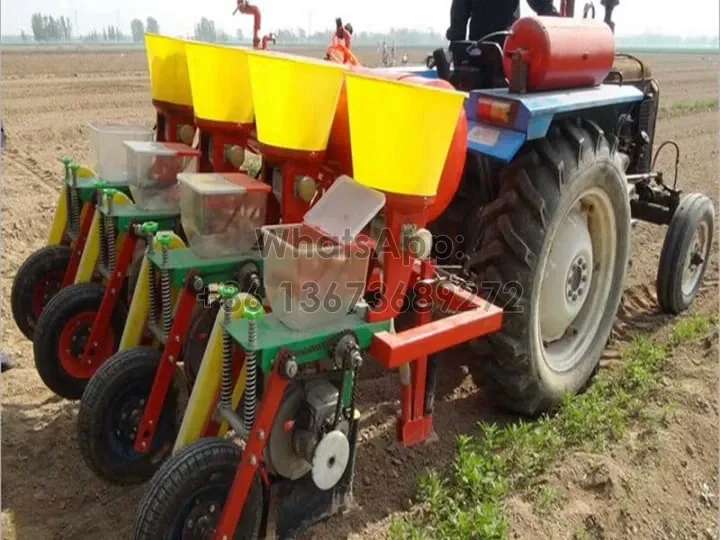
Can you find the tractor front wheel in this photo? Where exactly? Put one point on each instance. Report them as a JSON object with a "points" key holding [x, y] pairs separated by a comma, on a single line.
{"points": [[685, 253], [553, 251], [186, 496], [110, 413], [37, 280], [62, 333]]}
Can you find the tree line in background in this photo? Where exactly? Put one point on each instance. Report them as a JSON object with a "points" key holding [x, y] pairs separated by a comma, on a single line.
{"points": [[47, 28]]}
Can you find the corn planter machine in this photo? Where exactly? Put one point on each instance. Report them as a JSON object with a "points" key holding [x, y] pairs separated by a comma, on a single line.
{"points": [[490, 197]]}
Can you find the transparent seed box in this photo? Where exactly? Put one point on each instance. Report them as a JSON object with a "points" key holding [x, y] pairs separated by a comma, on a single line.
{"points": [[153, 169], [221, 213], [108, 149], [315, 271]]}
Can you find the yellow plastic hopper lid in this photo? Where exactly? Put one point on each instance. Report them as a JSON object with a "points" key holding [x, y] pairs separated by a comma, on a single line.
{"points": [[222, 184], [344, 210]]}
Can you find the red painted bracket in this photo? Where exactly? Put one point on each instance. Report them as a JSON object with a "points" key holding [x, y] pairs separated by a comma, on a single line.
{"points": [[78, 246], [394, 350], [250, 464], [166, 369], [110, 299]]}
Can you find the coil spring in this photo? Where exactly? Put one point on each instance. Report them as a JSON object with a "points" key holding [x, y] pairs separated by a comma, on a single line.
{"points": [[152, 293], [75, 209], [110, 242], [103, 241], [165, 294], [250, 395], [227, 375]]}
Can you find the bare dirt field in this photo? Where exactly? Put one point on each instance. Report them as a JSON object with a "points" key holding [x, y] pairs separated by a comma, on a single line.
{"points": [[48, 99]]}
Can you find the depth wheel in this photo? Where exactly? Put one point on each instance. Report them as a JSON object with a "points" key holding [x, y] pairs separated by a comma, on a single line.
{"points": [[62, 332], [186, 496], [685, 253], [553, 249], [110, 413], [37, 280]]}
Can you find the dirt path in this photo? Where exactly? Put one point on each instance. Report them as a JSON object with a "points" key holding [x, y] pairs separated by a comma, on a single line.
{"points": [[48, 493]]}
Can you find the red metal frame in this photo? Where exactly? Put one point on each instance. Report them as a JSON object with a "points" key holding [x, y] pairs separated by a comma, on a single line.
{"points": [[164, 375], [110, 298], [174, 116], [78, 246], [244, 7], [251, 462]]}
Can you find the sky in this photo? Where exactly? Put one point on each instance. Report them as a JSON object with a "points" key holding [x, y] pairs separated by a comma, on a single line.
{"points": [[177, 17]]}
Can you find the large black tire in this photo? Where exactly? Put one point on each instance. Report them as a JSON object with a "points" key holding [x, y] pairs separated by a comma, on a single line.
{"points": [[37, 280], [510, 246], [110, 411], [198, 477], [695, 212], [63, 310]]}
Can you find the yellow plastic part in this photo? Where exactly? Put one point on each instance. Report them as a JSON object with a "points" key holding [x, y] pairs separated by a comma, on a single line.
{"points": [[59, 221], [139, 305], [86, 172], [400, 133], [91, 252], [167, 63], [295, 99], [220, 83], [202, 398]]}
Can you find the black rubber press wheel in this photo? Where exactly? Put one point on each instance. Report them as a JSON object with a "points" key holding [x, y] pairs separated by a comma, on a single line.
{"points": [[186, 496], [62, 332], [110, 413], [37, 280]]}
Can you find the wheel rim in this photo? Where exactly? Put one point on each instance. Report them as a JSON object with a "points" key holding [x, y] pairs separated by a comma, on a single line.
{"points": [[122, 420], [695, 259], [44, 289], [576, 281], [199, 517], [72, 342]]}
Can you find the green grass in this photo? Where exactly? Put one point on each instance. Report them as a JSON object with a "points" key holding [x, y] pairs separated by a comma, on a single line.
{"points": [[466, 502], [686, 107]]}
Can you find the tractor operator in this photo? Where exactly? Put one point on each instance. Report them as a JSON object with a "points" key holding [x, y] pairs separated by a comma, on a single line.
{"points": [[488, 16]]}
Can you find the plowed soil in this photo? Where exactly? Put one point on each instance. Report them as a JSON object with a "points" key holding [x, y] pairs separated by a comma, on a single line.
{"points": [[49, 98]]}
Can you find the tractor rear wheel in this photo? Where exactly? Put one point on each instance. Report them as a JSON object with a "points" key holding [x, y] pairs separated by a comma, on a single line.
{"points": [[37, 280], [186, 496], [553, 251]]}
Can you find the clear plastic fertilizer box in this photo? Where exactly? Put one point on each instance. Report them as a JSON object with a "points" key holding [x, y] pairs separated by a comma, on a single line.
{"points": [[153, 169], [108, 150], [315, 271], [221, 213]]}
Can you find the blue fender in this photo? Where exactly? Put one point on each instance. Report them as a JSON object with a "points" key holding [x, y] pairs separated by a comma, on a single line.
{"points": [[533, 113]]}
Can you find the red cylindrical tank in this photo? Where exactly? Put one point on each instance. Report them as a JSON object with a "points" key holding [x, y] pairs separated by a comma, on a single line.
{"points": [[339, 144], [561, 53]]}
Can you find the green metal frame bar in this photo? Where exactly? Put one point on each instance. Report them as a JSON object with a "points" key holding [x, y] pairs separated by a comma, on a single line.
{"points": [[182, 261]]}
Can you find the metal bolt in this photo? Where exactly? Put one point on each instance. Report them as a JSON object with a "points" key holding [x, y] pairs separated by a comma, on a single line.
{"points": [[177, 339], [212, 508], [143, 445], [171, 358], [291, 369], [253, 461], [261, 435]]}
